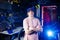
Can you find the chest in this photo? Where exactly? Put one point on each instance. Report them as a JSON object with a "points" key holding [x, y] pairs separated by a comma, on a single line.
{"points": [[32, 22]]}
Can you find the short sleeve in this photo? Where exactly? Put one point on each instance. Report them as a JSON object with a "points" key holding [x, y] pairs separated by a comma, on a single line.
{"points": [[39, 25], [25, 25]]}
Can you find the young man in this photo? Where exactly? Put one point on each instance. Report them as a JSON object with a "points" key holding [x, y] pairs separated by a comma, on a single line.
{"points": [[31, 26]]}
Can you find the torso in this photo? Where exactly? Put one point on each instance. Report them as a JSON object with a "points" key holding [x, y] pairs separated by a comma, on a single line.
{"points": [[32, 22]]}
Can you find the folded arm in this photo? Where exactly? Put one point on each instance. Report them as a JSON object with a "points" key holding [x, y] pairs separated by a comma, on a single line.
{"points": [[26, 27], [38, 27]]}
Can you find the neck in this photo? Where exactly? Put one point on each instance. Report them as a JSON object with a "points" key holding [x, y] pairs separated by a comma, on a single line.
{"points": [[31, 17]]}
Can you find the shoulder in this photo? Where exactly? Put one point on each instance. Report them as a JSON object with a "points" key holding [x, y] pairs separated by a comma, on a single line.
{"points": [[25, 19], [36, 19]]}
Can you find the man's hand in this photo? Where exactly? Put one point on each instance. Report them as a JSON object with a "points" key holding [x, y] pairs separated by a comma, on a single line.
{"points": [[38, 29], [28, 31], [33, 28]]}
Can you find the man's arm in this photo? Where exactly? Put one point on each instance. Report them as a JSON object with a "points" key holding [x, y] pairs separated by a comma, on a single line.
{"points": [[39, 27], [25, 26]]}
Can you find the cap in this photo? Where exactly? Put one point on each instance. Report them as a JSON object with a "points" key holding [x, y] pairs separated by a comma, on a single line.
{"points": [[30, 9]]}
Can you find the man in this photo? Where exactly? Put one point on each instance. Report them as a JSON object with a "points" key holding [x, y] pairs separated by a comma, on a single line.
{"points": [[31, 26]]}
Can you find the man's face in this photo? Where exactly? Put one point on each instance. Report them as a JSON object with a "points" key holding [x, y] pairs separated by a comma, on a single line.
{"points": [[31, 14]]}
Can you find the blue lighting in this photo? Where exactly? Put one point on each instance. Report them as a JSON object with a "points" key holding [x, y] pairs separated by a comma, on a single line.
{"points": [[50, 33]]}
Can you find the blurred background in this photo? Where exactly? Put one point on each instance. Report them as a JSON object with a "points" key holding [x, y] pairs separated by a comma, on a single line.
{"points": [[12, 13]]}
